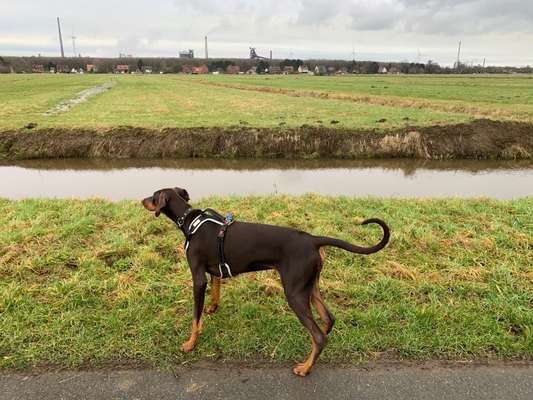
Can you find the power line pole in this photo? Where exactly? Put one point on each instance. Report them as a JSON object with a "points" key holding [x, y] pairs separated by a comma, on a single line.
{"points": [[60, 38], [459, 55], [73, 43]]}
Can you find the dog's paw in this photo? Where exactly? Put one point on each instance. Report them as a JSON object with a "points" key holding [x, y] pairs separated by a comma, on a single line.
{"points": [[301, 369], [187, 346], [211, 309]]}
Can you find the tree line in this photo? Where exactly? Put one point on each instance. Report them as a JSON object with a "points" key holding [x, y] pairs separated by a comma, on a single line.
{"points": [[175, 65]]}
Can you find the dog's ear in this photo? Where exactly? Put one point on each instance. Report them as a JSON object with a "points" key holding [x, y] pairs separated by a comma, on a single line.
{"points": [[182, 193], [160, 203]]}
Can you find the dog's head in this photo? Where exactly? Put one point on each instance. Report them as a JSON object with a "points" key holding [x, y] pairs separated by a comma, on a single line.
{"points": [[161, 200]]}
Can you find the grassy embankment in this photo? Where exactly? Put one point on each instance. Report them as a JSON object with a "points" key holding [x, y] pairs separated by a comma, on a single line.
{"points": [[94, 282]]}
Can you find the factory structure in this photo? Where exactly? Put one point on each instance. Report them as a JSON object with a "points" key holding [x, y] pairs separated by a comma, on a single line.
{"points": [[196, 61]]}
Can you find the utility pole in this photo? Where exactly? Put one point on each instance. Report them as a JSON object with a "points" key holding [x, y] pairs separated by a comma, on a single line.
{"points": [[459, 55], [60, 38], [73, 43]]}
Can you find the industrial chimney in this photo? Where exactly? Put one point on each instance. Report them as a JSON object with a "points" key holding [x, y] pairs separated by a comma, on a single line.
{"points": [[206, 55], [60, 38]]}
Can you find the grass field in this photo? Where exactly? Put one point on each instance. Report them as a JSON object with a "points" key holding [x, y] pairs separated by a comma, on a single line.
{"points": [[481, 89], [93, 282], [358, 102]]}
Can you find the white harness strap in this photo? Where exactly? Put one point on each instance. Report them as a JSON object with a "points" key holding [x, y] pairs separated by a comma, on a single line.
{"points": [[227, 267], [194, 226]]}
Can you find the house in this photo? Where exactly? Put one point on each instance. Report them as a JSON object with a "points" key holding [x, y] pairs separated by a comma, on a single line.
{"points": [[252, 71], [382, 69], [37, 68], [63, 68], [202, 69], [320, 70], [303, 69], [122, 69], [187, 69], [147, 69], [233, 69], [288, 69], [91, 68], [342, 71], [274, 69]]}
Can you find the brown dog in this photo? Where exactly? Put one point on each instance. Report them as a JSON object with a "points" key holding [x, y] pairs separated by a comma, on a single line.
{"points": [[296, 255]]}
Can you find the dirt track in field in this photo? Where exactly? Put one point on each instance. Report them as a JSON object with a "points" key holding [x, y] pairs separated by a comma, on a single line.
{"points": [[391, 101], [481, 139]]}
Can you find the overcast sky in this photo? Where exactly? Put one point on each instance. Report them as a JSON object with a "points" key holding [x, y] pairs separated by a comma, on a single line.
{"points": [[383, 30]]}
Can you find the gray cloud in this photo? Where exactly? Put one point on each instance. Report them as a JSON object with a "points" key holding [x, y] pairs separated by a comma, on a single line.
{"points": [[381, 29]]}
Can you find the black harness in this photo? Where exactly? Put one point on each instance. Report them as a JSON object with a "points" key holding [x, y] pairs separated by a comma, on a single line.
{"points": [[209, 216]]}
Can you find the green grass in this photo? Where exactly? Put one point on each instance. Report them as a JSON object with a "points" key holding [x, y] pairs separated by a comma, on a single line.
{"points": [[181, 101], [94, 281], [484, 89], [490, 94]]}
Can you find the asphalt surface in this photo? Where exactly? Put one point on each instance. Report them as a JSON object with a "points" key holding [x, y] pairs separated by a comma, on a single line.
{"points": [[398, 382]]}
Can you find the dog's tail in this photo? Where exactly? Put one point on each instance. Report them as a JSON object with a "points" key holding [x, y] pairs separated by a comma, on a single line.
{"points": [[327, 241]]}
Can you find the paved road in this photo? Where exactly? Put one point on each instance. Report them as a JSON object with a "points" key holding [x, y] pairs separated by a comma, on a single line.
{"points": [[230, 382]]}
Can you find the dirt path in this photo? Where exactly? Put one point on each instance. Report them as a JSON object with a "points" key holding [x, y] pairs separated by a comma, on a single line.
{"points": [[81, 97], [217, 381]]}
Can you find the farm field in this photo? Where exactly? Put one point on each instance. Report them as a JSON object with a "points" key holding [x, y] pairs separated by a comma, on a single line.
{"points": [[110, 116], [93, 282], [500, 90], [355, 102]]}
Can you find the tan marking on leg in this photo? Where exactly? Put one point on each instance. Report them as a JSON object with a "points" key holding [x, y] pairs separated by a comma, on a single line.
{"points": [[302, 369], [195, 332], [322, 253], [316, 298], [215, 295], [317, 301]]}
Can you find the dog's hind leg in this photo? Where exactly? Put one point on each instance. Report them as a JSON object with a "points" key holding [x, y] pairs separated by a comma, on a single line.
{"points": [[325, 315], [199, 285], [215, 295], [316, 298], [298, 297]]}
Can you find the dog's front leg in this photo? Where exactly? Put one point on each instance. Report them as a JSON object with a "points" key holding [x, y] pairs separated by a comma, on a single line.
{"points": [[215, 295], [199, 285]]}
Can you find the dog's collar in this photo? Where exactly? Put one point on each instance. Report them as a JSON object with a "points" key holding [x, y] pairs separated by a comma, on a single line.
{"points": [[181, 220]]}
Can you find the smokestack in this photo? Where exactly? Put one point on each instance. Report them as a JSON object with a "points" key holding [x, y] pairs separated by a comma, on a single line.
{"points": [[270, 55], [60, 38], [206, 55]]}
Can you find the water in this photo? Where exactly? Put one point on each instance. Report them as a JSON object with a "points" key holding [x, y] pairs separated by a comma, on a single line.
{"points": [[135, 179]]}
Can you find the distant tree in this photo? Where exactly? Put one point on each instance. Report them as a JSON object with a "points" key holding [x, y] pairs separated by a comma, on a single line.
{"points": [[370, 67], [432, 67], [262, 66], [140, 64], [293, 63], [221, 65]]}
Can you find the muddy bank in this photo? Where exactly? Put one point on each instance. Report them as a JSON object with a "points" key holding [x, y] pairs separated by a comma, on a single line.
{"points": [[481, 139]]}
